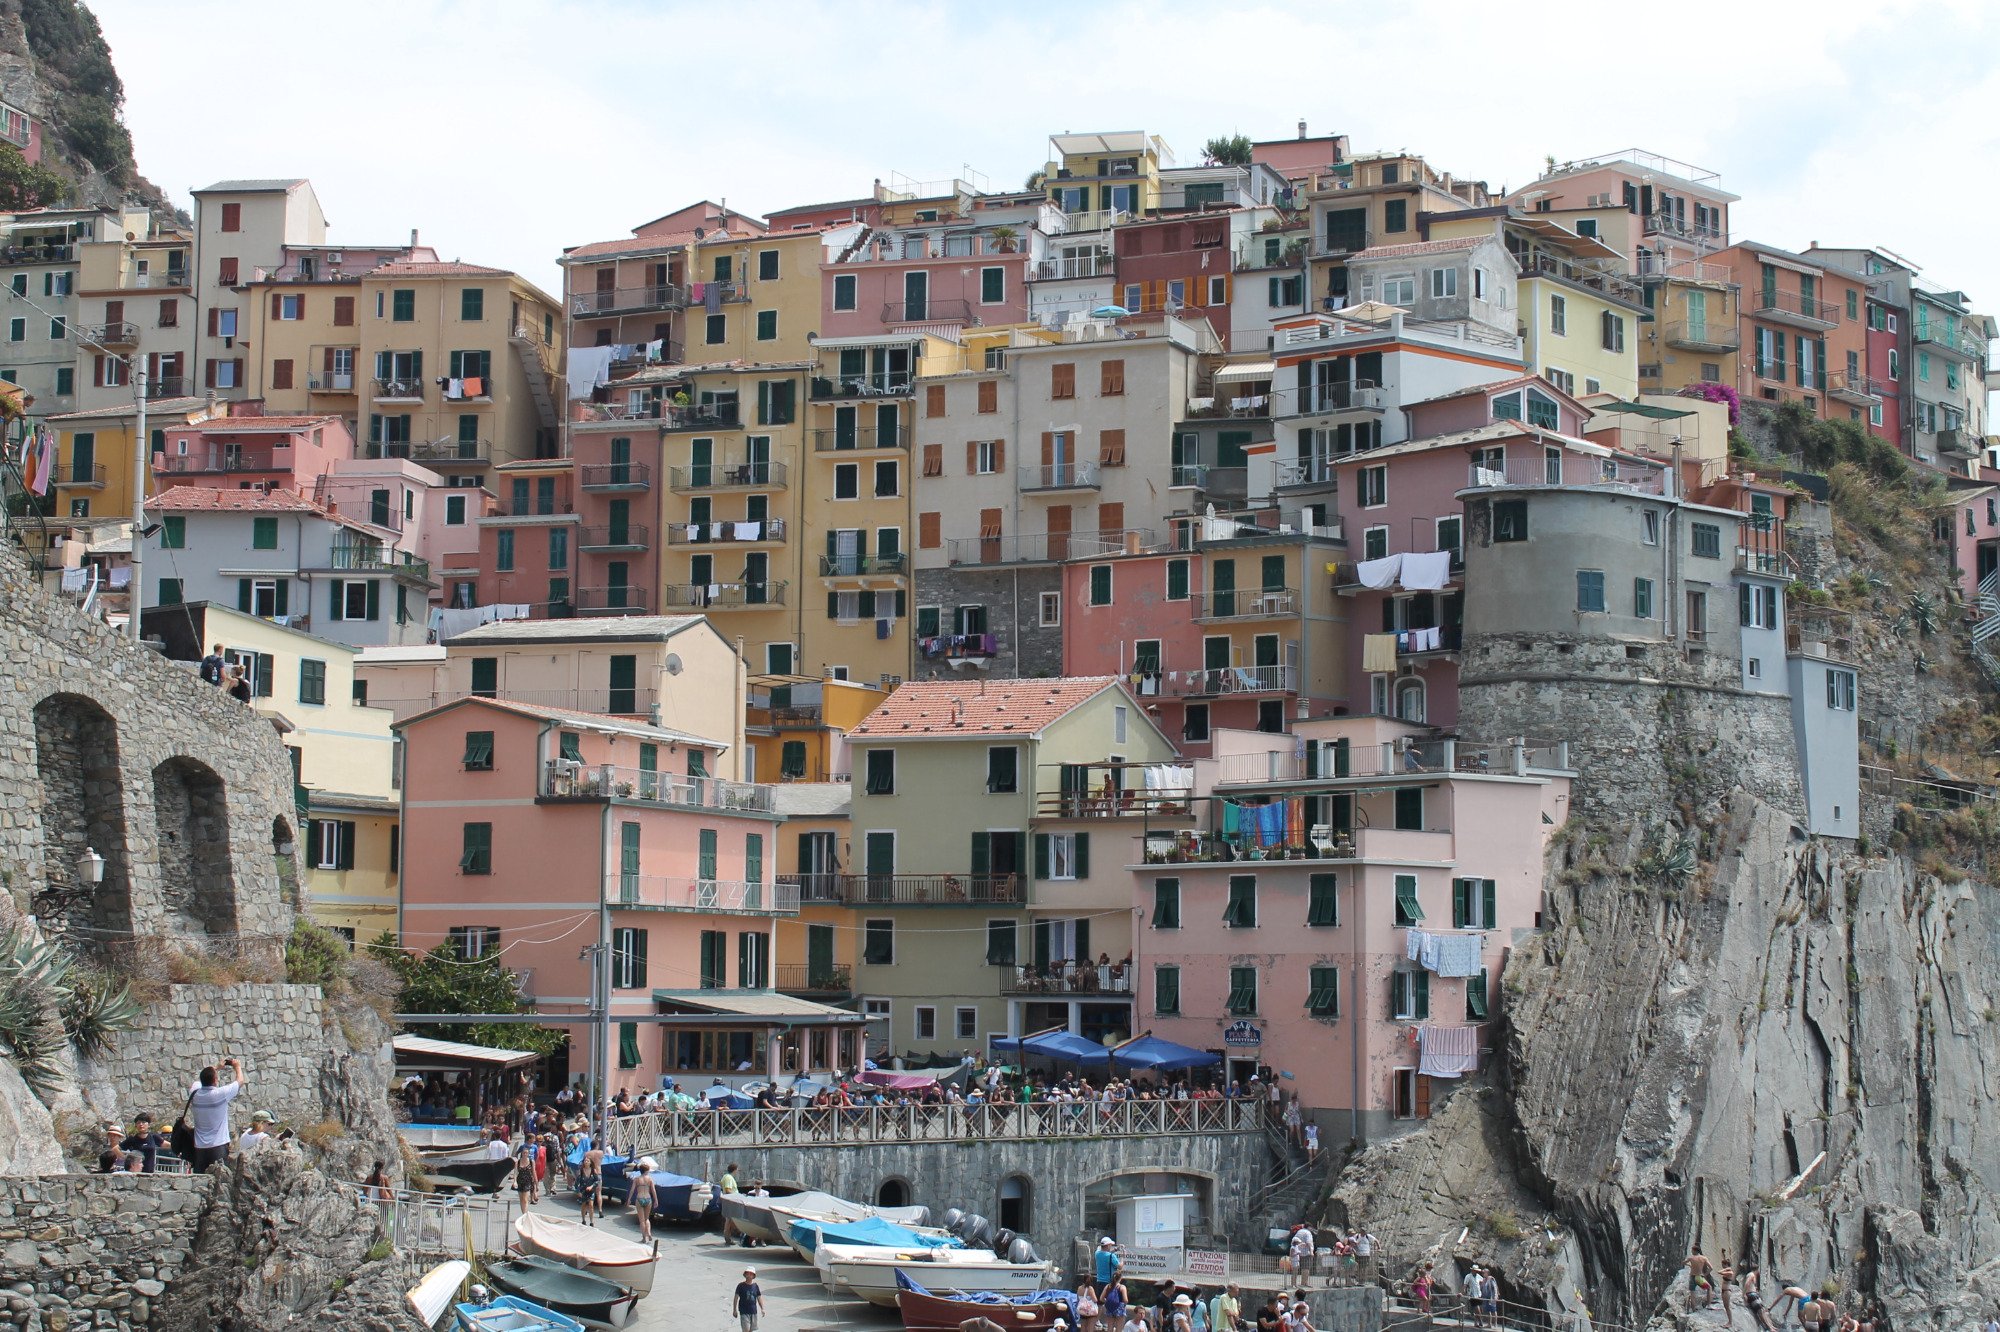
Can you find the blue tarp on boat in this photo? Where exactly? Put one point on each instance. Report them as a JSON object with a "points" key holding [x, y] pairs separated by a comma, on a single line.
{"points": [[868, 1230], [1066, 1298]]}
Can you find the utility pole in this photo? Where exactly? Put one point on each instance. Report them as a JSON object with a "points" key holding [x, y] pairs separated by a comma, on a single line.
{"points": [[140, 451]]}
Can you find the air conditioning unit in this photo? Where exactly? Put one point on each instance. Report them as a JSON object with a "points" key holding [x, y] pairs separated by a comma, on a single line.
{"points": [[334, 257]]}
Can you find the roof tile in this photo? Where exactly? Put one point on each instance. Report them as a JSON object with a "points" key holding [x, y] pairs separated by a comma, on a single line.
{"points": [[979, 707]]}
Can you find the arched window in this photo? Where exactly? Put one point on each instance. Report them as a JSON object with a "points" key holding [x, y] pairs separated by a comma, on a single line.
{"points": [[1410, 698], [1017, 1204]]}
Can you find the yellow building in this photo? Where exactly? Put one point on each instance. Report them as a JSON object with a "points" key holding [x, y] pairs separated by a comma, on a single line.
{"points": [[1112, 173], [796, 726], [1696, 335], [135, 308], [342, 755], [95, 449]]}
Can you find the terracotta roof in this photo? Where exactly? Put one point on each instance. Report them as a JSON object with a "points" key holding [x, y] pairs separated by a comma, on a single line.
{"points": [[225, 424], [589, 721], [633, 245], [154, 406], [973, 708], [1451, 246], [405, 268], [201, 498]]}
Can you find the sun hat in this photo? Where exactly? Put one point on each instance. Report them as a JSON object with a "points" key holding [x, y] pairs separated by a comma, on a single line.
{"points": [[262, 1117], [749, 1271], [1181, 1299]]}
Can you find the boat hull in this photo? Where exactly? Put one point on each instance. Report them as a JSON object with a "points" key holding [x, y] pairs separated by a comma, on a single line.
{"points": [[874, 1279], [509, 1313], [940, 1313], [590, 1250], [567, 1290]]}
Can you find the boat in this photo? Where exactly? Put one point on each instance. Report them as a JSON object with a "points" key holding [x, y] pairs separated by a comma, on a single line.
{"points": [[752, 1214], [677, 1197], [943, 1311], [624, 1261], [509, 1313], [433, 1295], [870, 1273], [481, 1175], [567, 1290], [439, 1137], [806, 1231]]}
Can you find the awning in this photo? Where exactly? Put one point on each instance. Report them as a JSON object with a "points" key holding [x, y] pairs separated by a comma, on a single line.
{"points": [[1151, 1051], [413, 1051], [1233, 374]]}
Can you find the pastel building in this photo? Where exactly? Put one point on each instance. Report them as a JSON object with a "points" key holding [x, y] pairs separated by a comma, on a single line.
{"points": [[817, 948], [239, 227], [796, 727], [1340, 910], [1801, 323], [1886, 359], [637, 289], [40, 257], [1949, 355], [135, 310], [957, 273], [95, 453], [554, 837], [242, 448], [1374, 199]]}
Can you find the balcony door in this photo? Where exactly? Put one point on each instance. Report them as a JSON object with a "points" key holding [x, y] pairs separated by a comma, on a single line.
{"points": [[819, 954], [916, 295], [618, 590], [879, 863], [618, 520], [624, 694], [621, 461], [1697, 316], [701, 459]]}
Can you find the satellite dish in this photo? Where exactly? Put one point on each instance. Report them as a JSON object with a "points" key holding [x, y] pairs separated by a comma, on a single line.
{"points": [[673, 663]]}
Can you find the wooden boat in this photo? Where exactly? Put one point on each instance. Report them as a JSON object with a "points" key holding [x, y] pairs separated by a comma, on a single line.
{"points": [[621, 1260], [567, 1290], [507, 1313], [433, 1295], [870, 1273], [941, 1312]]}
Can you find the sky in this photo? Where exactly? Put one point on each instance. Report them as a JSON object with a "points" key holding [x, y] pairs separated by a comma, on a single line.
{"points": [[504, 131]]}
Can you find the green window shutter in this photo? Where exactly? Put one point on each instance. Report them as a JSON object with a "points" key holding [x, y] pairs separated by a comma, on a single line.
{"points": [[1399, 989], [243, 595], [1475, 998], [743, 959], [706, 869], [572, 746], [1081, 860], [628, 1045], [173, 533], [1242, 910], [476, 851], [1421, 993], [1461, 908], [282, 602], [793, 762], [263, 533], [170, 592], [1242, 990], [267, 674], [833, 605], [1408, 910], [753, 859], [1410, 808], [312, 843], [982, 852], [1323, 992], [1177, 580], [1000, 943], [1042, 856], [374, 600], [1100, 585], [1488, 893], [1323, 906], [345, 859], [1166, 989], [1166, 904]]}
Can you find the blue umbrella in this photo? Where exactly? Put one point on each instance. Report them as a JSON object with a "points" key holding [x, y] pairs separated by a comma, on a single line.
{"points": [[1110, 312], [1165, 1056]]}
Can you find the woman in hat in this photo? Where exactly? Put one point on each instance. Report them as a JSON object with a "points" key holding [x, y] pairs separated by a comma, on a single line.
{"points": [[1180, 1320]]}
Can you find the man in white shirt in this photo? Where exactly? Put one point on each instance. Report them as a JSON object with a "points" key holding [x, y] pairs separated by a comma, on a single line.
{"points": [[208, 1113]]}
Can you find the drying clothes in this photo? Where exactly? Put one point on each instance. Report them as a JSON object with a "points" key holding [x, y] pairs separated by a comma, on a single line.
{"points": [[475, 387], [1459, 955], [696, 291], [1428, 640], [75, 580], [1413, 943], [655, 348], [1270, 825], [748, 532], [1232, 819], [512, 610], [1427, 952], [1488, 476], [711, 298], [1426, 571], [1378, 652], [121, 578], [589, 368], [1447, 1052], [1380, 573], [882, 628]]}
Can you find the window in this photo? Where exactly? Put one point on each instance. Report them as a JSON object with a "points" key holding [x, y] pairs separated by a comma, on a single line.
{"points": [[1177, 580], [173, 532], [471, 304], [1111, 379], [1475, 998], [476, 855], [628, 959], [17, 330], [847, 481], [232, 217], [479, 751], [503, 550], [843, 291], [1194, 723], [1166, 904], [1613, 331], [1410, 808], [767, 325], [225, 273], [1166, 990], [878, 943], [1062, 856], [1001, 944], [1410, 995], [1642, 598], [1444, 283], [887, 480], [1473, 904], [926, 1022], [1590, 589], [1062, 379], [753, 953], [1840, 690], [1374, 482], [454, 510], [989, 397], [356, 600], [1051, 610], [1559, 316], [1924, 366], [1757, 605], [986, 456], [1218, 290], [1395, 214], [1706, 539], [58, 327], [1895, 361], [715, 329], [289, 309], [1323, 991], [312, 681], [264, 534], [1561, 379], [881, 770], [992, 286], [330, 844], [66, 381], [472, 942], [1241, 912], [1002, 770], [1242, 990], [171, 593], [1510, 520], [1322, 905], [1100, 585], [403, 306], [1874, 409], [767, 265], [558, 548]]}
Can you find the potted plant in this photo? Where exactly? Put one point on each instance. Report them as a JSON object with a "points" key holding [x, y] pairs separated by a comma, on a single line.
{"points": [[1005, 237], [624, 789]]}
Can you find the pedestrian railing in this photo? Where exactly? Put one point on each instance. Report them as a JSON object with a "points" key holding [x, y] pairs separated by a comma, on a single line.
{"points": [[813, 1126], [460, 1224]]}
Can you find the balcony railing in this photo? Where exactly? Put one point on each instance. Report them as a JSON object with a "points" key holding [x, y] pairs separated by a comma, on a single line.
{"points": [[631, 536], [13, 255], [617, 476], [701, 416], [118, 333], [1317, 470], [1103, 804], [1247, 604], [646, 892], [1092, 219], [756, 475], [923, 889], [815, 978], [1359, 395], [1047, 547], [1711, 335], [1346, 241], [1790, 307], [79, 477], [1653, 269], [273, 460], [1573, 470], [1760, 544], [166, 386], [450, 450], [644, 408], [1662, 223], [725, 534], [1257, 252], [563, 779], [1330, 762], [856, 566], [1075, 266], [1220, 681], [378, 559], [1188, 476], [399, 390], [1059, 476], [1616, 285], [331, 381], [952, 310], [842, 440], [702, 596], [623, 300], [1958, 342], [1068, 976], [1858, 390], [618, 599], [889, 384], [806, 717]]}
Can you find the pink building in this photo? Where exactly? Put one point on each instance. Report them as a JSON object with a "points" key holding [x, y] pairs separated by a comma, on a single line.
{"points": [[1341, 916], [23, 131], [1148, 631], [958, 276], [247, 449], [1970, 529], [537, 832]]}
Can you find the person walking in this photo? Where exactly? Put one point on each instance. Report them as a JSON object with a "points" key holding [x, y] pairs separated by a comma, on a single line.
{"points": [[1362, 1242], [642, 1195], [747, 1301], [1489, 1298], [1420, 1290], [208, 1112], [1179, 1318], [213, 665], [590, 1187], [1117, 1302], [524, 1174], [1087, 1308], [1469, 1289]]}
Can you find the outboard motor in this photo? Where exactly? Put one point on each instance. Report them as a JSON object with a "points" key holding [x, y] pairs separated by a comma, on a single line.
{"points": [[953, 1220], [978, 1232], [1020, 1251], [1003, 1240]]}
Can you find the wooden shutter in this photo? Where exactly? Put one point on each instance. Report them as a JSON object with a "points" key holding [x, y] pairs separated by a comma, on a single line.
{"points": [[1080, 866], [1042, 856], [1048, 448], [301, 298], [989, 522], [97, 372], [933, 460], [236, 376], [208, 370], [345, 855], [1059, 529], [929, 536], [1062, 379], [989, 395], [971, 456], [1111, 378], [326, 361], [1460, 891], [281, 374], [1111, 517], [225, 272], [1111, 448], [999, 455], [214, 321], [232, 217], [934, 400], [277, 305], [343, 311], [114, 312]]}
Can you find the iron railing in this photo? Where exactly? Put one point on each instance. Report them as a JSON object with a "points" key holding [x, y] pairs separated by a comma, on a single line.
{"points": [[617, 476], [729, 476], [563, 779], [728, 596], [840, 439], [632, 536], [1246, 604], [856, 565], [646, 892]]}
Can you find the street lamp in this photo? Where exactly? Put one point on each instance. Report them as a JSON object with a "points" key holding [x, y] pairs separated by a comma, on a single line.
{"points": [[90, 867]]}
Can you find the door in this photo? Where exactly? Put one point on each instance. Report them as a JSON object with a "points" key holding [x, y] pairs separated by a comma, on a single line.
{"points": [[1264, 656], [756, 577], [1059, 530], [846, 550], [1697, 316], [1229, 448], [618, 592], [886, 434], [1273, 576], [83, 457], [607, 288], [1222, 597], [701, 458], [624, 686], [1215, 654], [916, 295], [843, 428], [757, 453], [378, 507], [880, 865], [621, 461], [819, 956], [618, 522]]}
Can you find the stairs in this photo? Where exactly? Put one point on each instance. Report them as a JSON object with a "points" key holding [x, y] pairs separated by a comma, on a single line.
{"points": [[534, 355], [1986, 628], [1295, 1185]]}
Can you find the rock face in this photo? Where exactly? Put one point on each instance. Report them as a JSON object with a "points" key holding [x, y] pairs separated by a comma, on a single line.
{"points": [[1679, 1054], [27, 1129]]}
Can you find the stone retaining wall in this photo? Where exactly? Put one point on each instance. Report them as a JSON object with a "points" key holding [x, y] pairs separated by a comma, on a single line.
{"points": [[93, 1251], [277, 1031]]}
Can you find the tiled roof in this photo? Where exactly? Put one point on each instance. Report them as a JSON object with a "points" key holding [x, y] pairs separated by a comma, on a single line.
{"points": [[1492, 386], [1451, 246], [225, 424], [406, 268], [620, 627], [974, 708], [154, 406], [584, 721], [192, 499], [631, 245]]}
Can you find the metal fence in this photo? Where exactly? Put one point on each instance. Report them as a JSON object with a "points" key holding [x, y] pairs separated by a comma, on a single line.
{"points": [[439, 1226]]}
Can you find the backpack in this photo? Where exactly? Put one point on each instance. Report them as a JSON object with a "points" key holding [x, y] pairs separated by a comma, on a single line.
{"points": [[181, 1136]]}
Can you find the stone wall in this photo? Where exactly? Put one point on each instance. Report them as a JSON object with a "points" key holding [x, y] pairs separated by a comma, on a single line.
{"points": [[97, 1251], [1012, 597]]}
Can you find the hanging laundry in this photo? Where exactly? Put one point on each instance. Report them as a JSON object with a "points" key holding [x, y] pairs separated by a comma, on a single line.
{"points": [[1459, 955], [749, 531], [711, 298], [589, 368], [1232, 819], [475, 387], [882, 628], [1380, 573], [1413, 943], [695, 292], [654, 349], [1378, 652], [1427, 955], [1426, 571], [1447, 1052], [454, 389]]}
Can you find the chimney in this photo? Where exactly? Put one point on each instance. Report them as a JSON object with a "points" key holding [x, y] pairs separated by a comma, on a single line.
{"points": [[1302, 129], [413, 238]]}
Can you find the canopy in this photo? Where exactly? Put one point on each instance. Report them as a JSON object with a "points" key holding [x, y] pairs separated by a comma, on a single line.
{"points": [[873, 1230], [1232, 374], [1163, 1055], [422, 1052], [897, 1081], [1062, 1045]]}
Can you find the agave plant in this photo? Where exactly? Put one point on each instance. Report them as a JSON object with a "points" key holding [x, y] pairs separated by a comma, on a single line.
{"points": [[97, 1008], [34, 982]]}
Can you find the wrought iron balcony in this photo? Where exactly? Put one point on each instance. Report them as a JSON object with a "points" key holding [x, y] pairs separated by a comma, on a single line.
{"points": [[1706, 336], [1248, 604], [724, 596], [857, 566], [630, 536], [840, 439], [617, 476], [755, 475]]}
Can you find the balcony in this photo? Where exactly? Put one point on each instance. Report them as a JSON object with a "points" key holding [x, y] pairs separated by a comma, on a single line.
{"points": [[1956, 441], [646, 892], [1113, 802], [888, 384], [378, 559], [1232, 681], [166, 386], [43, 253], [703, 416], [1092, 219], [859, 438], [814, 980], [331, 381], [1343, 242], [1067, 976], [1047, 547], [81, 477], [861, 566], [1188, 476], [725, 534], [1794, 309], [1951, 341], [226, 461], [722, 596], [808, 717], [1615, 285], [465, 451], [563, 779], [398, 390], [1652, 268], [1075, 266], [644, 408], [118, 333], [1257, 252], [485, 393], [613, 477], [618, 599], [937, 890], [1855, 390], [1572, 470], [1704, 336], [1662, 223], [1316, 470], [630, 536], [932, 311], [1269, 603], [729, 476], [607, 301], [1059, 476], [1358, 396]]}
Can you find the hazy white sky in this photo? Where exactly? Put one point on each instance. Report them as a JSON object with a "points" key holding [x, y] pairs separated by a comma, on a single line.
{"points": [[505, 130]]}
